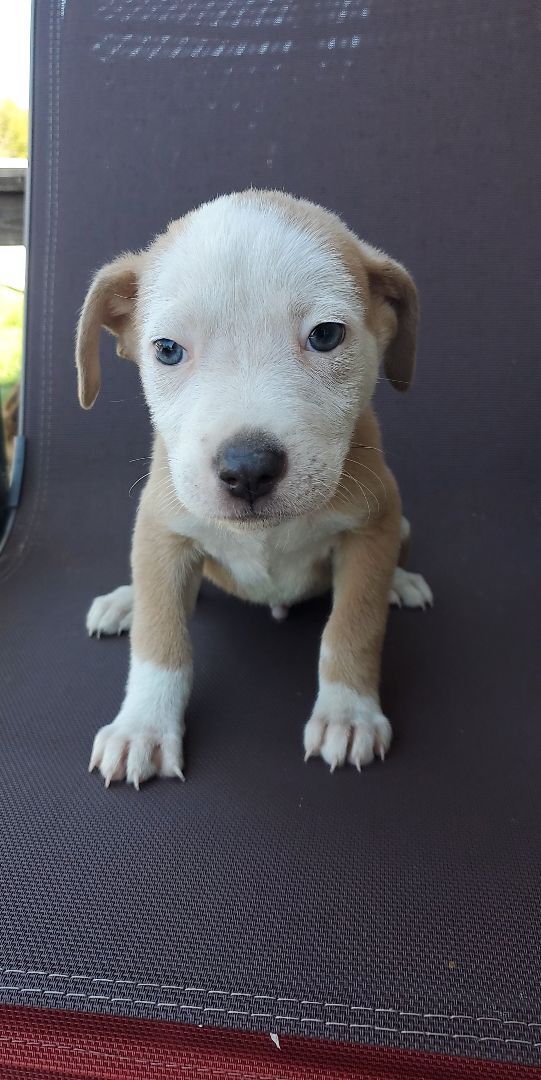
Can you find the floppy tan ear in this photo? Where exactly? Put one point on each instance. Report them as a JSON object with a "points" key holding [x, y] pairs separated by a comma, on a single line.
{"points": [[394, 314], [110, 302]]}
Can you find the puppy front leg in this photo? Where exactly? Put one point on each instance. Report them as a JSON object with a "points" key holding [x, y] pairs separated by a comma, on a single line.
{"points": [[347, 722], [146, 737]]}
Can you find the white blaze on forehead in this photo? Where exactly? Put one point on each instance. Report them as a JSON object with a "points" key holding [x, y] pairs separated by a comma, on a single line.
{"points": [[241, 258]]}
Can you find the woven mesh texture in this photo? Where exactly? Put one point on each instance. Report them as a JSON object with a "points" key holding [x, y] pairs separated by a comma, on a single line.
{"points": [[49, 1044], [399, 908]]}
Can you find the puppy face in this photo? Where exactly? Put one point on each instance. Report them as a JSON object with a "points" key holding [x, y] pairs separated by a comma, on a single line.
{"points": [[258, 327], [241, 290]]}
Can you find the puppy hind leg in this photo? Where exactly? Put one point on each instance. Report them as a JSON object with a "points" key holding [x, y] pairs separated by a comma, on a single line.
{"points": [[408, 589], [111, 613]]}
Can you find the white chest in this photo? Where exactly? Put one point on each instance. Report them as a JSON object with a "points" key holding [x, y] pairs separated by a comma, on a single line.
{"points": [[276, 565]]}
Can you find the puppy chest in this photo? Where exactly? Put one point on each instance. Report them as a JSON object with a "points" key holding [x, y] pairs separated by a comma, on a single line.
{"points": [[272, 572], [276, 565]]}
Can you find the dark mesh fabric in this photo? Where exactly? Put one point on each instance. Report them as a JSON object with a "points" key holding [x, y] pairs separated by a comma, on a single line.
{"points": [[399, 908]]}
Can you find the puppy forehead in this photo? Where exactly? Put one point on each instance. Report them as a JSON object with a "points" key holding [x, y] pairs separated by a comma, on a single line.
{"points": [[233, 255]]}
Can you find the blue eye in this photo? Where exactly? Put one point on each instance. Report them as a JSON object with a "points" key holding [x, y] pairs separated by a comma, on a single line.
{"points": [[168, 351], [326, 336]]}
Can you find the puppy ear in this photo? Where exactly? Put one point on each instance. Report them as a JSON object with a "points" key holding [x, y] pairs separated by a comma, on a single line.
{"points": [[394, 314], [110, 302]]}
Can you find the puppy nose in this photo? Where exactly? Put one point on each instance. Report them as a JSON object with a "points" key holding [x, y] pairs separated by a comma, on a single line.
{"points": [[250, 466]]}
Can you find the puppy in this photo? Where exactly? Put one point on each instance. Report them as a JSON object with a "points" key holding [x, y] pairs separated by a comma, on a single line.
{"points": [[259, 323]]}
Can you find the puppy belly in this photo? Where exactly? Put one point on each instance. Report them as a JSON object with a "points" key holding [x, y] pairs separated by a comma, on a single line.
{"points": [[283, 585]]}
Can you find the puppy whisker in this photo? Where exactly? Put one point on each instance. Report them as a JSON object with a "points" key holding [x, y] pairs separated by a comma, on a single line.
{"points": [[364, 489], [364, 446], [138, 481], [162, 468], [368, 469]]}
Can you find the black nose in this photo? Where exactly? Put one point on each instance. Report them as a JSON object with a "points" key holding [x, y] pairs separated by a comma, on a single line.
{"points": [[250, 466]]}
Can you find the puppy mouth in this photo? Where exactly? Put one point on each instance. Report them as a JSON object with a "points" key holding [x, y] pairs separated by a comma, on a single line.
{"points": [[253, 517]]}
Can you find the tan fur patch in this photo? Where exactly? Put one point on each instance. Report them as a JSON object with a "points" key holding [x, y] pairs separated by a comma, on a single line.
{"points": [[166, 577], [111, 302]]}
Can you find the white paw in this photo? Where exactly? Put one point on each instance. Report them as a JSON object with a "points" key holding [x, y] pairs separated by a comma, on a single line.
{"points": [[146, 738], [346, 726], [134, 749], [111, 614], [410, 590]]}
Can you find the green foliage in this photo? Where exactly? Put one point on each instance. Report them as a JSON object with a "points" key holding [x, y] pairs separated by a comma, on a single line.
{"points": [[13, 130], [11, 333]]}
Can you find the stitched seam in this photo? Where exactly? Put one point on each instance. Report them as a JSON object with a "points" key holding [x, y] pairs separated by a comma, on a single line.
{"points": [[402, 1032], [279, 1014]]}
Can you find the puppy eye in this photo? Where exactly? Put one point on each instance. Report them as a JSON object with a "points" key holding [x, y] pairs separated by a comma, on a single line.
{"points": [[326, 336], [168, 351]]}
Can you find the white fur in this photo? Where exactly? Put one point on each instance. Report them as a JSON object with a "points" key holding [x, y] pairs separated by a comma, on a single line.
{"points": [[240, 287], [146, 737], [112, 613], [410, 590], [346, 725], [279, 612]]}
